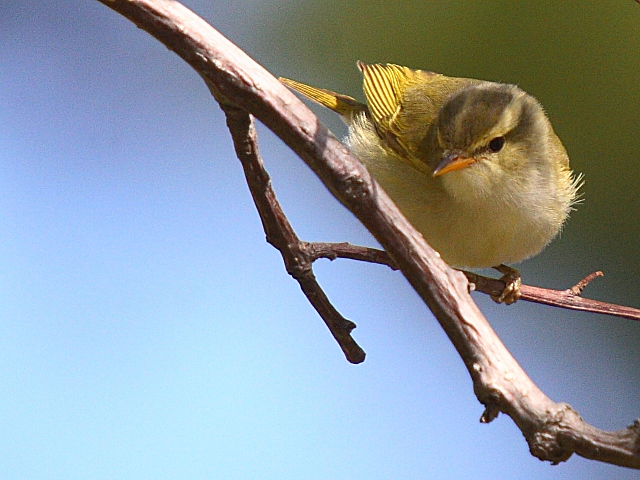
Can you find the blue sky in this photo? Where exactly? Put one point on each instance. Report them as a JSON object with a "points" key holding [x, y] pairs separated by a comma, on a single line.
{"points": [[148, 331]]}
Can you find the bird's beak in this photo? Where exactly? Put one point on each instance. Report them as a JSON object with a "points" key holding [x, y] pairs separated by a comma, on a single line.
{"points": [[451, 162]]}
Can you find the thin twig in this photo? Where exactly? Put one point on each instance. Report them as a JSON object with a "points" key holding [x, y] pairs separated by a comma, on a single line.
{"points": [[582, 284], [280, 234], [353, 252], [569, 299], [556, 298]]}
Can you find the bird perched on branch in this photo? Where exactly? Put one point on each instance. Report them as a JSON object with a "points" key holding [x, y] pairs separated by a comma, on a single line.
{"points": [[475, 166]]}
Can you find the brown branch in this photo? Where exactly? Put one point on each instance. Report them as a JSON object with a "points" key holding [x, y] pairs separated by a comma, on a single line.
{"points": [[553, 431], [579, 287], [569, 299], [353, 252], [297, 255]]}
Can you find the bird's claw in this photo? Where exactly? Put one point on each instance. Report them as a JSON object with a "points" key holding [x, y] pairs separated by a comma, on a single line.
{"points": [[512, 279]]}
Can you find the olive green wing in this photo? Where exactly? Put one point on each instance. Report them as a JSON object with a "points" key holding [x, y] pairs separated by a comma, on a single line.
{"points": [[404, 105], [400, 110]]}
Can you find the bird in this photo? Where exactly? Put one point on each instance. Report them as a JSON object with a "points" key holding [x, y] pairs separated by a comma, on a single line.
{"points": [[474, 165]]}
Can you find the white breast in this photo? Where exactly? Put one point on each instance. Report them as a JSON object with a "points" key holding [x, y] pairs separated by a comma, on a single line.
{"points": [[507, 225]]}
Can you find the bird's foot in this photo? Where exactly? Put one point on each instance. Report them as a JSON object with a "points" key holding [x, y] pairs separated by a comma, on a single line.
{"points": [[513, 282]]}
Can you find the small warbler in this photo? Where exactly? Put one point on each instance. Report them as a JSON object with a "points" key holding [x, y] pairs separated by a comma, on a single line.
{"points": [[474, 165]]}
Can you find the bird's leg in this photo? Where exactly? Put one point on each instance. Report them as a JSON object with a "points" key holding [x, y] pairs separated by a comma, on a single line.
{"points": [[513, 282]]}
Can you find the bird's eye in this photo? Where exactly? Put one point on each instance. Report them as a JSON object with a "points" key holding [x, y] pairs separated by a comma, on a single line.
{"points": [[496, 144]]}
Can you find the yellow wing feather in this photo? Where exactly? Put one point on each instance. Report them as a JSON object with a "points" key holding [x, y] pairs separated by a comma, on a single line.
{"points": [[384, 86], [401, 103], [345, 105]]}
